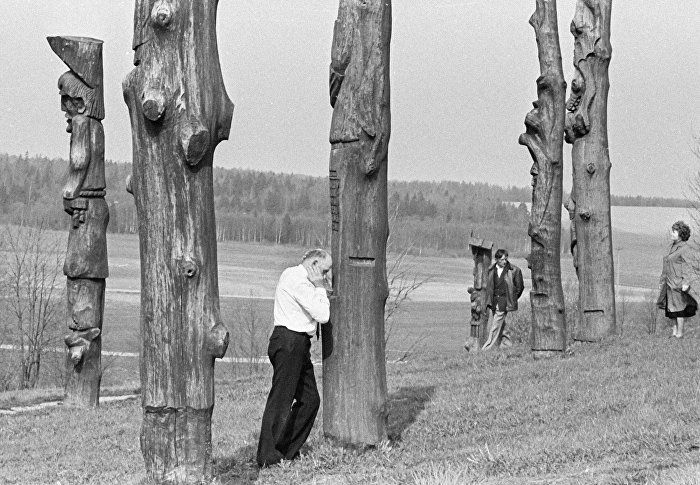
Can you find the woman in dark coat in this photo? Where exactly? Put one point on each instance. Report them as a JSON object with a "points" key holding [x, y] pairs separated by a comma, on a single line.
{"points": [[678, 285]]}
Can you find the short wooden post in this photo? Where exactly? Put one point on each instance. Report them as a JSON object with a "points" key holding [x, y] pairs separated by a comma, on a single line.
{"points": [[354, 368], [179, 113], [84, 200], [481, 251]]}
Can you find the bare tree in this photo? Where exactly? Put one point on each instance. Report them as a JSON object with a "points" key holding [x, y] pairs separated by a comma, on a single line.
{"points": [[34, 263], [403, 280], [652, 310], [250, 334]]}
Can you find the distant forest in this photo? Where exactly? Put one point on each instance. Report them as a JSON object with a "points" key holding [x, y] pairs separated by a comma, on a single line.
{"points": [[251, 206]]}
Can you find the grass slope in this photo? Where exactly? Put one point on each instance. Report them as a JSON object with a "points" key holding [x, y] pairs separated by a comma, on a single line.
{"points": [[624, 411]]}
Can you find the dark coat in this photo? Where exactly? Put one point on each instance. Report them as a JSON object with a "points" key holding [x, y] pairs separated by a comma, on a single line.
{"points": [[514, 282], [677, 272]]}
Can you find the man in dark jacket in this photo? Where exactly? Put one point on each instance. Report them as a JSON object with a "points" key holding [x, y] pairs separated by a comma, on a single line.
{"points": [[504, 285]]}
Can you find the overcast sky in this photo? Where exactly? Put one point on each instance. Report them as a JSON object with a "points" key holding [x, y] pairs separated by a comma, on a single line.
{"points": [[462, 79]]}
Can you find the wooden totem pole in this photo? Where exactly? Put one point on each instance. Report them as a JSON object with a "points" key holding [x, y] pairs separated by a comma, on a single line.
{"points": [[84, 200], [354, 367], [481, 250], [179, 113], [544, 138], [587, 130]]}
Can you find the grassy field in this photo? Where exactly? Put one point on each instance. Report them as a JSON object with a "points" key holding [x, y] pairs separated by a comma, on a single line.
{"points": [[624, 411]]}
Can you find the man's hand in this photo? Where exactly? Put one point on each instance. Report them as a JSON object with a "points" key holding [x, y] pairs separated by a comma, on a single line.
{"points": [[316, 277], [328, 282], [685, 288]]}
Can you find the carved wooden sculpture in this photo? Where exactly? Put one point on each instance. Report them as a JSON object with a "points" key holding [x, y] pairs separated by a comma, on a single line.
{"points": [[481, 250], [354, 369], [587, 130], [179, 113], [544, 138], [84, 200], [573, 244]]}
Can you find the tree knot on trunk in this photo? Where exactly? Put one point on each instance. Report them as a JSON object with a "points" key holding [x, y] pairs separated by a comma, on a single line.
{"points": [[194, 140], [189, 267], [153, 104], [162, 14], [217, 340]]}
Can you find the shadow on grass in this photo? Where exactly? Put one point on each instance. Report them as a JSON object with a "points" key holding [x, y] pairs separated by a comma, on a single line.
{"points": [[404, 406], [239, 468]]}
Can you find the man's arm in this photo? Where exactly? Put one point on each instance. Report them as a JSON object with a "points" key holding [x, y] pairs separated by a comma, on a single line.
{"points": [[518, 283], [314, 300], [80, 151]]}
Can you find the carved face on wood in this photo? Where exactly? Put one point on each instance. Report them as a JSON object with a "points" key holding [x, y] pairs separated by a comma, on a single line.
{"points": [[76, 98], [72, 107]]}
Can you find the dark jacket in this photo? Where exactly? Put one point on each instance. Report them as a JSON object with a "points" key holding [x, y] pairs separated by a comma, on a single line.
{"points": [[677, 272], [514, 282]]}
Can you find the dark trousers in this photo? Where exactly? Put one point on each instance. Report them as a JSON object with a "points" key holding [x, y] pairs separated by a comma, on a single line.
{"points": [[293, 401]]}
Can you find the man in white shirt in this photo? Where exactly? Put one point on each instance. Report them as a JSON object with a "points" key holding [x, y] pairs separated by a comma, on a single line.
{"points": [[301, 303]]}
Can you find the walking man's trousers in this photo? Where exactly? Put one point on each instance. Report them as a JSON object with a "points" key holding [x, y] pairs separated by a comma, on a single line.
{"points": [[498, 335], [293, 400]]}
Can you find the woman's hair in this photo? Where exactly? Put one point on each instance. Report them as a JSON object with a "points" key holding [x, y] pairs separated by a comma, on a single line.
{"points": [[683, 230]]}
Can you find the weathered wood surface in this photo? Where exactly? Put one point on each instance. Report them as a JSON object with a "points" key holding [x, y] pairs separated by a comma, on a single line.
{"points": [[354, 367], [587, 130], [84, 200], [481, 251], [544, 139], [179, 113]]}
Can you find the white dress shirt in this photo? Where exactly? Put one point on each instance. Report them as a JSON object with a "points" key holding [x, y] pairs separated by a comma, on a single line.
{"points": [[298, 303]]}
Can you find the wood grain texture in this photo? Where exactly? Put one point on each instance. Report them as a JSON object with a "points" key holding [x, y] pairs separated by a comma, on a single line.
{"points": [[587, 131], [85, 265], [179, 113], [354, 367], [544, 138]]}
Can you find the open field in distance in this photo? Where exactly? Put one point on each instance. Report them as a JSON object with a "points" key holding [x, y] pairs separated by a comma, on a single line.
{"points": [[623, 411]]}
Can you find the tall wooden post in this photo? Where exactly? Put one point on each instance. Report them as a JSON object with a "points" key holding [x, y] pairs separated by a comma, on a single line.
{"points": [[84, 200], [481, 251], [354, 368], [544, 138], [179, 113], [587, 130]]}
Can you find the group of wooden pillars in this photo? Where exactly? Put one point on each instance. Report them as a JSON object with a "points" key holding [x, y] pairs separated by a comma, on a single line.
{"points": [[582, 122], [179, 113]]}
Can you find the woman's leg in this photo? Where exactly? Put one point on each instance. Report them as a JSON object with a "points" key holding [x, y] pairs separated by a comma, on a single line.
{"points": [[675, 327], [681, 323]]}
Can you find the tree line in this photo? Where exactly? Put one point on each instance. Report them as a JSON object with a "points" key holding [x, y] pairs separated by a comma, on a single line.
{"points": [[266, 207]]}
